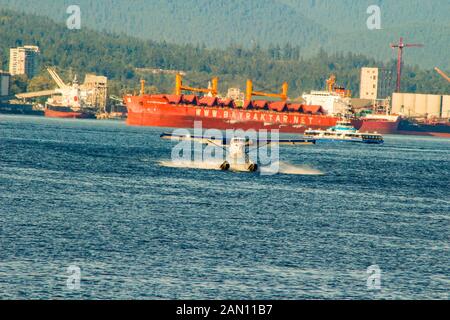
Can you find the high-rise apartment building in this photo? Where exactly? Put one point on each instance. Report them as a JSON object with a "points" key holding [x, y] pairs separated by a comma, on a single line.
{"points": [[369, 83], [24, 61]]}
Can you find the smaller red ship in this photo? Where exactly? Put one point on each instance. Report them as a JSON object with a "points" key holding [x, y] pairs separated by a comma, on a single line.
{"points": [[69, 104]]}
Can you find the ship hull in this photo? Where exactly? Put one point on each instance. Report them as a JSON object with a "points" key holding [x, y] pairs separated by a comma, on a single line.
{"points": [[380, 126], [404, 126], [185, 116], [19, 109], [68, 114], [407, 127]]}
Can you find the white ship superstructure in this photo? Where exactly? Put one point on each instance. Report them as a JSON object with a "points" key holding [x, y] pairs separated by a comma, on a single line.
{"points": [[333, 103]]}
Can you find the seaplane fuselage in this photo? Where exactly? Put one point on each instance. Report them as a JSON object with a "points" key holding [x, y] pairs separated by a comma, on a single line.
{"points": [[238, 155]]}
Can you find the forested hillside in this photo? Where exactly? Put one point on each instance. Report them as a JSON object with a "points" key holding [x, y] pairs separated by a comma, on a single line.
{"points": [[334, 25], [118, 56]]}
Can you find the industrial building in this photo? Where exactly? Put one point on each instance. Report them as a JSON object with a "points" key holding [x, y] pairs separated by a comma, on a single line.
{"points": [[97, 89], [421, 105], [369, 83], [5, 78], [24, 61], [446, 107]]}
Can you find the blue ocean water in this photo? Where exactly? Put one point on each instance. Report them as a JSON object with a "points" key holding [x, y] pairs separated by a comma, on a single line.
{"points": [[94, 195]]}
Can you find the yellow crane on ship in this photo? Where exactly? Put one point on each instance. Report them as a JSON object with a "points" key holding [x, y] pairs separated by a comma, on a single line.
{"points": [[331, 82], [249, 92], [332, 87], [179, 87], [213, 90]]}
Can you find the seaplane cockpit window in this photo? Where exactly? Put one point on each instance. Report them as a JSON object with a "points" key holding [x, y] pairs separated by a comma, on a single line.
{"points": [[239, 140]]}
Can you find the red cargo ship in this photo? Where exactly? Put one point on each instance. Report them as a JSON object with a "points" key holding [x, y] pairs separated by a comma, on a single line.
{"points": [[181, 111]]}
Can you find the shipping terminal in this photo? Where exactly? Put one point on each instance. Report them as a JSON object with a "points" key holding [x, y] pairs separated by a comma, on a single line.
{"points": [[400, 113]]}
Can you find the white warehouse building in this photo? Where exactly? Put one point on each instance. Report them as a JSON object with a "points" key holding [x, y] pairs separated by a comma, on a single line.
{"points": [[421, 105]]}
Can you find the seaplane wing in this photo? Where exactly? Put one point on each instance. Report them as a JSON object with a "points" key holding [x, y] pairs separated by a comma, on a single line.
{"points": [[198, 139], [226, 142], [263, 142]]}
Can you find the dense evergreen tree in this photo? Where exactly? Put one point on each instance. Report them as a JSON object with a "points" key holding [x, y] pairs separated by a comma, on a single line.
{"points": [[118, 56], [335, 25]]}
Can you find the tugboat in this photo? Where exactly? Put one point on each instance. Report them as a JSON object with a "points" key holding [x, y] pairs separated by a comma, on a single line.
{"points": [[345, 132]]}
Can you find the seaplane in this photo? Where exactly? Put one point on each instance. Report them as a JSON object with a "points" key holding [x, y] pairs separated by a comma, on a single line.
{"points": [[237, 148]]}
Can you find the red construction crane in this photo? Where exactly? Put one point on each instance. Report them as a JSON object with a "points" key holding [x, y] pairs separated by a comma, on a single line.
{"points": [[400, 47]]}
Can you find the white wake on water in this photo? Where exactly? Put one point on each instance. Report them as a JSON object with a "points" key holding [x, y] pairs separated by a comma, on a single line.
{"points": [[287, 168], [203, 165], [279, 167]]}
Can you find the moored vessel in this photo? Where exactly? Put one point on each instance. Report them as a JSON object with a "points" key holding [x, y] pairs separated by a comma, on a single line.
{"points": [[435, 128], [69, 104], [344, 131], [182, 111]]}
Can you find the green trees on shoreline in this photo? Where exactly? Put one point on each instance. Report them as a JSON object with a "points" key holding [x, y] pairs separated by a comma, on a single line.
{"points": [[119, 56]]}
